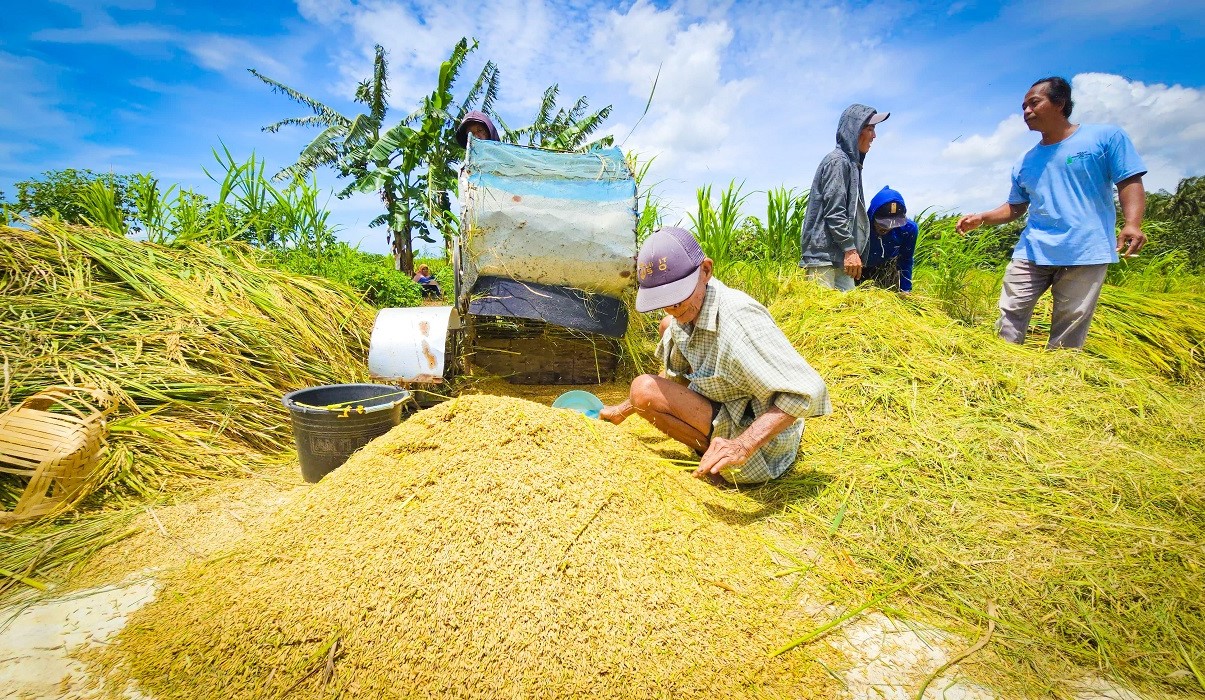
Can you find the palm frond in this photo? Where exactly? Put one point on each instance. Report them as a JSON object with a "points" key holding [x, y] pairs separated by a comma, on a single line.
{"points": [[312, 120], [379, 98], [328, 115]]}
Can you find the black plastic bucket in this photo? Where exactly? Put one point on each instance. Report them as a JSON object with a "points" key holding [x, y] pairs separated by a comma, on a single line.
{"points": [[331, 422]]}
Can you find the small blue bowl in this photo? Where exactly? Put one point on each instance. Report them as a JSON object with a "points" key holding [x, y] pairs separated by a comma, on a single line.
{"points": [[581, 401]]}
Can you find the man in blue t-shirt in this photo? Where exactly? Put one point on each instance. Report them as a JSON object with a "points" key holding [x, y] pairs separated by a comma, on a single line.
{"points": [[1066, 184]]}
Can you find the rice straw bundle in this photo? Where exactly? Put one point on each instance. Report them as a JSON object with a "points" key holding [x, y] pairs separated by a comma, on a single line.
{"points": [[195, 344]]}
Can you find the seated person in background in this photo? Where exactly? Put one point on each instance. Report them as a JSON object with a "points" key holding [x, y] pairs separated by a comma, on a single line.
{"points": [[427, 281], [892, 243], [734, 388], [477, 124]]}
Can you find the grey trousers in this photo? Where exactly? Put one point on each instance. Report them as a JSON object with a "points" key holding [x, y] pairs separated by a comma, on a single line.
{"points": [[1075, 290], [831, 276]]}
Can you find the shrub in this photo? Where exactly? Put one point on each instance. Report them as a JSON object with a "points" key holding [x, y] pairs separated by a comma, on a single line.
{"points": [[384, 286], [372, 275]]}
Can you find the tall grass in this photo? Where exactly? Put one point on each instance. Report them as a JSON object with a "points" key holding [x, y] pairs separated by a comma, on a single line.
{"points": [[962, 272], [784, 223], [248, 208], [717, 225]]}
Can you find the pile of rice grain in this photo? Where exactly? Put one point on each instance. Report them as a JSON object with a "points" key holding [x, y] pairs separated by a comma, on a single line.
{"points": [[487, 547]]}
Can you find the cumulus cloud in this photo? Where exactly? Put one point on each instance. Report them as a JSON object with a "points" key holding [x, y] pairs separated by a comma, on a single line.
{"points": [[1163, 121], [752, 91], [694, 106], [533, 42], [1011, 137]]}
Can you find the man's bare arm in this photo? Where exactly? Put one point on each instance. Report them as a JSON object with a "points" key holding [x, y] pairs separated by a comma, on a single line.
{"points": [[1000, 215], [1133, 205], [724, 454]]}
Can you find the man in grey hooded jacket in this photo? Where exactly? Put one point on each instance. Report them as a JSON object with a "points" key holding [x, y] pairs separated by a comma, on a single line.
{"points": [[836, 228]]}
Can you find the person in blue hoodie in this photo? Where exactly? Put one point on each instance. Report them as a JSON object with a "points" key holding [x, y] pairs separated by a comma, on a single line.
{"points": [[835, 228], [888, 261]]}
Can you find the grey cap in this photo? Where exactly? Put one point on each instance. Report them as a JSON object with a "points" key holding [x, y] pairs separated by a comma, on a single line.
{"points": [[667, 268]]}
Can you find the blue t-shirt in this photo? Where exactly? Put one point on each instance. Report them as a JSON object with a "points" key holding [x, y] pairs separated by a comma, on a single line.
{"points": [[1069, 189]]}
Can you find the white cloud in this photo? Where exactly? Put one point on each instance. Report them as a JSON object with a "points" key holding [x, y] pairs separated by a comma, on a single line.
{"points": [[216, 52], [1011, 137], [31, 104], [693, 106], [1163, 121], [106, 31], [226, 54], [323, 11], [752, 90]]}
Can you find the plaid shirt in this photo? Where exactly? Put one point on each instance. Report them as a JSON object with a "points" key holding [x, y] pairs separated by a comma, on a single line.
{"points": [[735, 355]]}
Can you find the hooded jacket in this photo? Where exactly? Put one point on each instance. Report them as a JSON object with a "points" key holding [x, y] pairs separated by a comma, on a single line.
{"points": [[898, 243], [835, 220], [462, 133]]}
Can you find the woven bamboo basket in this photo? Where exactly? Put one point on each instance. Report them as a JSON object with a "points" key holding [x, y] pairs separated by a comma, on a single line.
{"points": [[56, 439]]}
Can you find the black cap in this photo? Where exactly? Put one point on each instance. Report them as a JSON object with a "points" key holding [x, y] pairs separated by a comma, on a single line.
{"points": [[891, 215]]}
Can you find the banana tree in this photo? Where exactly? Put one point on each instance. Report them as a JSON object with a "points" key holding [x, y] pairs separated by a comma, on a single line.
{"points": [[407, 165], [419, 152], [566, 129]]}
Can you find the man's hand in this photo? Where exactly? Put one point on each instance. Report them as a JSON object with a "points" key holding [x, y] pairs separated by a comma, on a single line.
{"points": [[853, 264], [970, 222], [722, 454], [1130, 240], [616, 414]]}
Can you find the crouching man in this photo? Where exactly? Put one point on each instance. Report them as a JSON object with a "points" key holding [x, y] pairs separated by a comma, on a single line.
{"points": [[734, 389]]}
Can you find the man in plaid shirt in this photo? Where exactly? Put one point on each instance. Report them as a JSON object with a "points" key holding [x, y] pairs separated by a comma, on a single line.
{"points": [[734, 388]]}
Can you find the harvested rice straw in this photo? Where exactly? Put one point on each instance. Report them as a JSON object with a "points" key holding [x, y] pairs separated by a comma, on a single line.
{"points": [[196, 344], [1065, 488], [487, 547]]}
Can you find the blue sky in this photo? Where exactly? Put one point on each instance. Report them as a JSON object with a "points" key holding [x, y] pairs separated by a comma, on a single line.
{"points": [[749, 91]]}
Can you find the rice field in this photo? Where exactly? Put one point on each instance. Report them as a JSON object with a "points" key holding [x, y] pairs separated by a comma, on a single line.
{"points": [[1054, 498]]}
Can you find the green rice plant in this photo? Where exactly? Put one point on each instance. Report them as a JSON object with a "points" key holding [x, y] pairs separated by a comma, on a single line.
{"points": [[785, 210], [251, 209], [100, 205], [152, 209], [1169, 271], [716, 226], [961, 272], [760, 278]]}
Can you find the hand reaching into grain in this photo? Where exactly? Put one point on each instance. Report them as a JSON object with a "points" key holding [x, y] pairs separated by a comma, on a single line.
{"points": [[722, 454]]}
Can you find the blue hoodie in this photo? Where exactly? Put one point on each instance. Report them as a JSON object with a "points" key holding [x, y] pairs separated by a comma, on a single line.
{"points": [[899, 242]]}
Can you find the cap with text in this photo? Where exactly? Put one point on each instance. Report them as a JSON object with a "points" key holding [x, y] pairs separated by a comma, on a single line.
{"points": [[891, 215], [667, 268]]}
